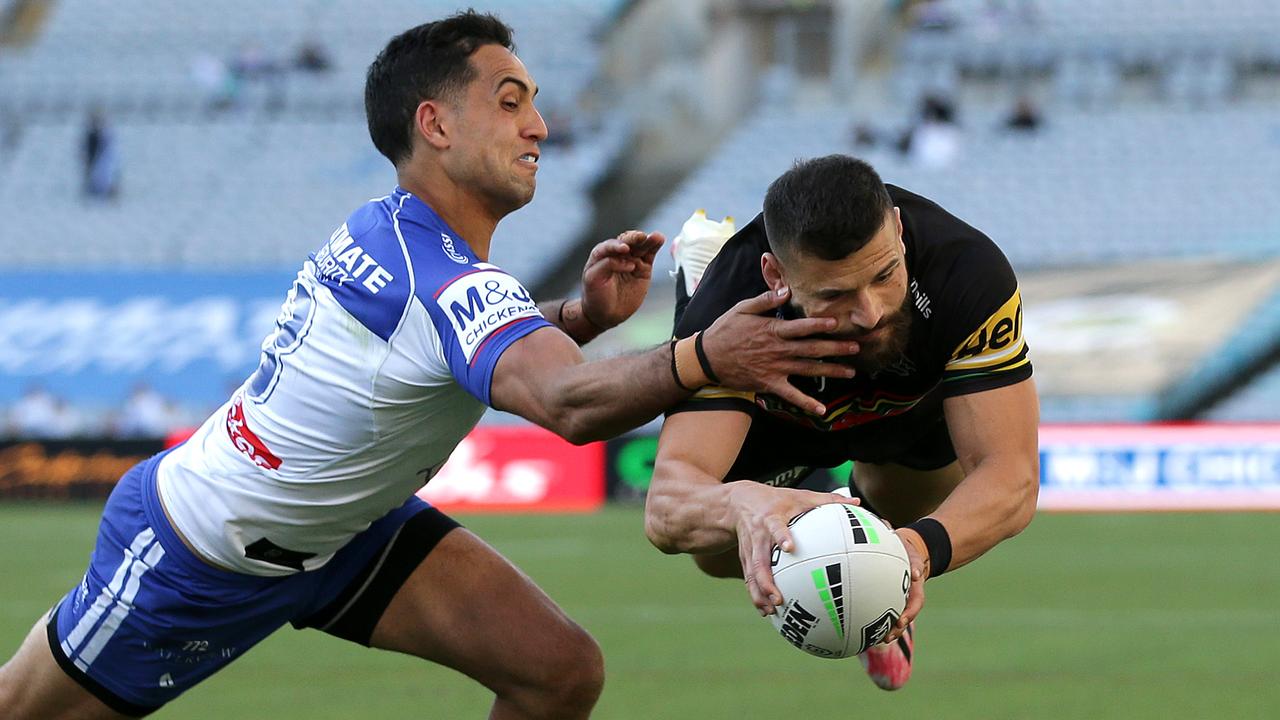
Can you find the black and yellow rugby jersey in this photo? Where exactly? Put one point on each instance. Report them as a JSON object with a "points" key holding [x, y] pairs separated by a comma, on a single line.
{"points": [[965, 337]]}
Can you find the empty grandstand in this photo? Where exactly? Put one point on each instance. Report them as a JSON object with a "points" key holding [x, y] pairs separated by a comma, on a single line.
{"points": [[1141, 181], [240, 130], [1155, 140]]}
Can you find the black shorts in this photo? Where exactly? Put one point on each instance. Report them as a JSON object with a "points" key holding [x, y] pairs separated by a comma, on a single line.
{"points": [[931, 450], [783, 456]]}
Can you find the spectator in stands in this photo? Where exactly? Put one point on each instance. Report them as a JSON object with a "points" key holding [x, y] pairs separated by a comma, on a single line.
{"points": [[41, 414], [101, 159], [312, 57], [999, 18], [934, 141], [10, 134], [146, 414], [931, 15], [221, 86], [863, 135], [1025, 116], [252, 63]]}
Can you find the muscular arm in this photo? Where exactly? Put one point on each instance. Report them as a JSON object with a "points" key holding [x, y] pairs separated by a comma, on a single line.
{"points": [[687, 505], [996, 440], [543, 377], [689, 510]]}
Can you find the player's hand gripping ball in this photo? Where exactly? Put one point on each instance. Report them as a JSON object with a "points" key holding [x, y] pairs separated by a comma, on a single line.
{"points": [[844, 585]]}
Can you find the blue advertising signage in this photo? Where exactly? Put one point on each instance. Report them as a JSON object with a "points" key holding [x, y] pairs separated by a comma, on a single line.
{"points": [[90, 337], [1160, 467]]}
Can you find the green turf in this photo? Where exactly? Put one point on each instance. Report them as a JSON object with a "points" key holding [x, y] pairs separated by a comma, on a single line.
{"points": [[1146, 616]]}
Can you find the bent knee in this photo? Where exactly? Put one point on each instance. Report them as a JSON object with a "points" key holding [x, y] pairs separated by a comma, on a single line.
{"points": [[579, 667], [565, 680]]}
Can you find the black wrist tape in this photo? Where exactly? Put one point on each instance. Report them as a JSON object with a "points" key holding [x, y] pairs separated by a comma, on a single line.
{"points": [[936, 541], [703, 361]]}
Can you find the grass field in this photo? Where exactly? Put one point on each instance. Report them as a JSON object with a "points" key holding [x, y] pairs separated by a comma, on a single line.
{"points": [[1123, 616]]}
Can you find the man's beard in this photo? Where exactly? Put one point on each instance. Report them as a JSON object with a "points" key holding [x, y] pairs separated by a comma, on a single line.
{"points": [[882, 352]]}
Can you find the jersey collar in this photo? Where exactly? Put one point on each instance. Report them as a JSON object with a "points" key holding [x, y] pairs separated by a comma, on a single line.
{"points": [[414, 209]]}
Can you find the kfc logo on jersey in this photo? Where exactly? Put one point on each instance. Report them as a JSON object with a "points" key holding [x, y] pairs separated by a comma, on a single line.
{"points": [[245, 440], [479, 303]]}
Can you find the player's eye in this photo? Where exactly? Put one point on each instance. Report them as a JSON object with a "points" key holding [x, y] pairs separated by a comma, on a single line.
{"points": [[510, 104]]}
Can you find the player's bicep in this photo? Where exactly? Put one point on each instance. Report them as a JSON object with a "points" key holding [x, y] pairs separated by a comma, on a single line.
{"points": [[996, 425], [527, 372]]}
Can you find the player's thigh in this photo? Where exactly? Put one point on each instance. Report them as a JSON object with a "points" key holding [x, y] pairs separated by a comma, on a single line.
{"points": [[901, 494], [467, 607], [33, 687]]}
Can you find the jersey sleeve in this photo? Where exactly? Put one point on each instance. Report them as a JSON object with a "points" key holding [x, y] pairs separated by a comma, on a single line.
{"points": [[479, 312], [983, 339]]}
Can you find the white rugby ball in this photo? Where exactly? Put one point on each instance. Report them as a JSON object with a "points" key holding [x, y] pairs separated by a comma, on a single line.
{"points": [[845, 583]]}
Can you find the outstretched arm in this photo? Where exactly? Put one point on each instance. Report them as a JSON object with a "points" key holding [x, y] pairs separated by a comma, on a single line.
{"points": [[996, 441], [688, 509], [543, 377]]}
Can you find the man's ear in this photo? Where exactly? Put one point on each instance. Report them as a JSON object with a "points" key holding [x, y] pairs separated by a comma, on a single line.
{"points": [[897, 221], [430, 123], [771, 269]]}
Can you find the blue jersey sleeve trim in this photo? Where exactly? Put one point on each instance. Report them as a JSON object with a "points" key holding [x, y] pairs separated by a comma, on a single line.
{"points": [[480, 380]]}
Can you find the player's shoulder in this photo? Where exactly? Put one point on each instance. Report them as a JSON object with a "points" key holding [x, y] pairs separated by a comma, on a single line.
{"points": [[947, 255], [734, 275], [389, 251], [364, 266], [935, 230]]}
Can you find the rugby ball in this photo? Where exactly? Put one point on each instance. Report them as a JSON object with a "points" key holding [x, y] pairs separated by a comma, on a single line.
{"points": [[844, 584]]}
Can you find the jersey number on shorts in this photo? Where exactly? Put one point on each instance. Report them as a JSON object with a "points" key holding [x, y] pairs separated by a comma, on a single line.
{"points": [[291, 327]]}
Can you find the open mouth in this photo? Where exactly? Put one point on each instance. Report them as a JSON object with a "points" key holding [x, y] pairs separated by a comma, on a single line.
{"points": [[531, 158]]}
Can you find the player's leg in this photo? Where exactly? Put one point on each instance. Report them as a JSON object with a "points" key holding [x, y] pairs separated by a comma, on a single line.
{"points": [[36, 683], [902, 494], [417, 583], [468, 608], [33, 687], [915, 482], [148, 621]]}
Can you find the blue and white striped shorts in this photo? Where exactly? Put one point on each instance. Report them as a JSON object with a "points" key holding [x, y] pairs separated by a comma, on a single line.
{"points": [[150, 619]]}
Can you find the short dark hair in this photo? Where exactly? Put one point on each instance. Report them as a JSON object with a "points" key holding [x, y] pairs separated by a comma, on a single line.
{"points": [[828, 207], [429, 61]]}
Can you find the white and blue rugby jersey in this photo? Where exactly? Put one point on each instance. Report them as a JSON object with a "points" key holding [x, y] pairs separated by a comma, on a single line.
{"points": [[379, 365]]}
